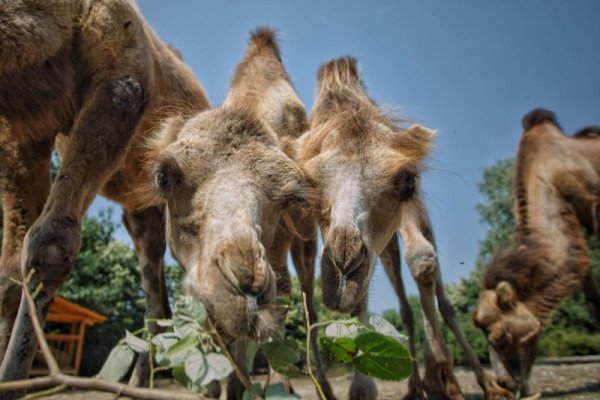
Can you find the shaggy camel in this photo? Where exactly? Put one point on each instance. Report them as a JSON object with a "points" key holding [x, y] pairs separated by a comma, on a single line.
{"points": [[233, 192], [365, 171], [96, 72], [557, 191]]}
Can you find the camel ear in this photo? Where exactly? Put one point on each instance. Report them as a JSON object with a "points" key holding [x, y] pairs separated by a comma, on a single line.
{"points": [[415, 142], [505, 296]]}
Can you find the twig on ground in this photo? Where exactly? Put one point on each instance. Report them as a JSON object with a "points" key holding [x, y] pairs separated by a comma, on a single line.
{"points": [[57, 378]]}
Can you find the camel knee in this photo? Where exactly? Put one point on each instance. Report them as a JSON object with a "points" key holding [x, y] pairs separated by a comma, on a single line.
{"points": [[127, 94], [423, 265], [51, 246]]}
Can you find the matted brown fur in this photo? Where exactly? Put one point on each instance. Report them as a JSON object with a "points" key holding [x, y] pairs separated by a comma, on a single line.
{"points": [[527, 265], [92, 77]]}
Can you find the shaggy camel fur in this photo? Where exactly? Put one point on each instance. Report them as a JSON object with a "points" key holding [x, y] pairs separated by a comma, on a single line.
{"points": [[95, 71], [365, 171], [233, 192], [557, 191]]}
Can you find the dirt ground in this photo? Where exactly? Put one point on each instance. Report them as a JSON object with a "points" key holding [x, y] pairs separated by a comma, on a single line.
{"points": [[568, 382]]}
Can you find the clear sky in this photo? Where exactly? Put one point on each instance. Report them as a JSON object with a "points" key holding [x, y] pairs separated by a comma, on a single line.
{"points": [[470, 69]]}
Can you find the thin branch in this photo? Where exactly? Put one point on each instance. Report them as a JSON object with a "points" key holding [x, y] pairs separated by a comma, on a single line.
{"points": [[45, 393], [37, 327], [309, 329], [57, 378], [240, 374]]}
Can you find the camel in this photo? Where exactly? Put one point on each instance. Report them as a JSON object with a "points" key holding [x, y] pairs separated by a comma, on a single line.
{"points": [[557, 192], [96, 73], [234, 195], [365, 171]]}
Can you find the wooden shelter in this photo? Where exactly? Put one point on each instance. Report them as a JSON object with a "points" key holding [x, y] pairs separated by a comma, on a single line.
{"points": [[68, 347]]}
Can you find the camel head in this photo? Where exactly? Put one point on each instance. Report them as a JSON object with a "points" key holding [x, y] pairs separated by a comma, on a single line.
{"points": [[512, 330], [362, 169], [227, 183]]}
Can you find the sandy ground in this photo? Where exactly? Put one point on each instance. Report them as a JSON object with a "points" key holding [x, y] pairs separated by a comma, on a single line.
{"points": [[569, 382]]}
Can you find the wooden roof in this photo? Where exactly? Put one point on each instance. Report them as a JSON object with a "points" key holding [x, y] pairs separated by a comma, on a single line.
{"points": [[62, 310]]}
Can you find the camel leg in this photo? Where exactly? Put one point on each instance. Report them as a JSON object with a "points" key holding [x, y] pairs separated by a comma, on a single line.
{"points": [[24, 184], [592, 294], [277, 256], [362, 387], [98, 141], [304, 251], [235, 388], [147, 229], [390, 257], [440, 382]]}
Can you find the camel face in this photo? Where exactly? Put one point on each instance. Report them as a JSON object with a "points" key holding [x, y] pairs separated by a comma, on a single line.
{"points": [[363, 168], [227, 184], [360, 195], [511, 329]]}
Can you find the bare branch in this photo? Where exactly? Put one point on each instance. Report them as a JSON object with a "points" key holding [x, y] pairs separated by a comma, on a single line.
{"points": [[39, 331], [57, 378], [309, 329]]}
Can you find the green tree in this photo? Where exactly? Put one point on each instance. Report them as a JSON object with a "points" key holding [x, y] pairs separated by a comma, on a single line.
{"points": [[105, 279]]}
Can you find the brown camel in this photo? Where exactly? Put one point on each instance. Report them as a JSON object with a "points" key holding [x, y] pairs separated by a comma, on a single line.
{"points": [[233, 194], [365, 171], [557, 191], [96, 72]]}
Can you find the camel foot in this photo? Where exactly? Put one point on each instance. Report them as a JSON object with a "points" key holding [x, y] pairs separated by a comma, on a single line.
{"points": [[362, 388], [213, 390]]}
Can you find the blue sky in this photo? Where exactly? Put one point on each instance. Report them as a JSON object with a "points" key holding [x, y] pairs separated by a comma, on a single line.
{"points": [[470, 69]]}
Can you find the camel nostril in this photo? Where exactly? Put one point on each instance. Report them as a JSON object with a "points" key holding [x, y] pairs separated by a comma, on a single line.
{"points": [[358, 261]]}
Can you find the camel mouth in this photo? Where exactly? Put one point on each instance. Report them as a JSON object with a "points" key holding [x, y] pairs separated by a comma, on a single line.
{"points": [[343, 292], [237, 314]]}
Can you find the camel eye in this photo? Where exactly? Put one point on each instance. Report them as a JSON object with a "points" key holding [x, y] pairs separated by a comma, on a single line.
{"points": [[168, 177], [405, 184]]}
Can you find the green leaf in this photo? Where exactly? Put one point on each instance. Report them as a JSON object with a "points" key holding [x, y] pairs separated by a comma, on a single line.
{"points": [[181, 377], [342, 329], [384, 327], [117, 364], [278, 392], [177, 353], [341, 350], [163, 342], [196, 367], [219, 368], [251, 349], [282, 356], [382, 357], [165, 323], [248, 396], [135, 343], [190, 314]]}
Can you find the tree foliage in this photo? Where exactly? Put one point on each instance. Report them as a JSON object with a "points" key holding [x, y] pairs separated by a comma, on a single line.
{"points": [[105, 279]]}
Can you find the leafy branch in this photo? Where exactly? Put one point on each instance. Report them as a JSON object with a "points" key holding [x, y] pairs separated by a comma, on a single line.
{"points": [[61, 381]]}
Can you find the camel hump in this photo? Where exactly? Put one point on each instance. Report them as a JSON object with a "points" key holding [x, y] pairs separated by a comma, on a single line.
{"points": [[33, 31], [339, 72], [538, 116], [264, 38], [588, 132]]}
